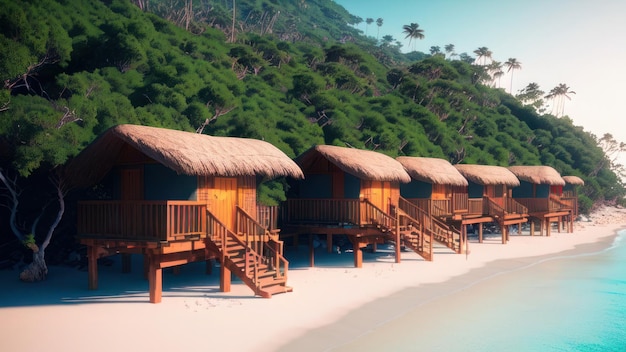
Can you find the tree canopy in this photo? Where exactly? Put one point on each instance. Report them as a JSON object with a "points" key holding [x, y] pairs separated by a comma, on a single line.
{"points": [[296, 74]]}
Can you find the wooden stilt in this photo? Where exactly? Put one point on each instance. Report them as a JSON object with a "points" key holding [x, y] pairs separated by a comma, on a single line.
{"points": [[155, 279], [92, 267], [311, 251], [329, 242], [209, 266], [225, 278], [532, 227], [503, 230], [146, 265], [126, 263], [463, 239], [358, 256], [398, 248], [480, 233]]}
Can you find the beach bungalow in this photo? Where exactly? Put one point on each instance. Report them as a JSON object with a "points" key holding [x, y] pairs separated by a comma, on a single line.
{"points": [[489, 193], [436, 195], [570, 192], [176, 197], [540, 190], [354, 193]]}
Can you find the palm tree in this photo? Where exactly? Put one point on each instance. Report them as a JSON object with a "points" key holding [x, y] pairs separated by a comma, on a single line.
{"points": [[357, 21], [368, 21], [413, 32], [495, 70], [450, 50], [387, 39], [531, 95], [512, 64], [434, 50], [379, 23], [558, 94], [482, 54]]}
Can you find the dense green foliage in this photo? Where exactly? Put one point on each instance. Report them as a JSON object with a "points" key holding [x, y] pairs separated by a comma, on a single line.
{"points": [[297, 74]]}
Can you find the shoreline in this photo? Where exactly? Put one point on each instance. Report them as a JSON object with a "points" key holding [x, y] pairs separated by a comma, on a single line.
{"points": [[364, 320], [194, 314]]}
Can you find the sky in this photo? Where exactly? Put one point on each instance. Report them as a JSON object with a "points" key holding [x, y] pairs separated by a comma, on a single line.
{"points": [[581, 43]]}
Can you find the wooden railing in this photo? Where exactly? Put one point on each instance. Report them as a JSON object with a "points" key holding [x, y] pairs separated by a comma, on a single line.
{"points": [[573, 201], [323, 211], [428, 224], [460, 203], [260, 251], [492, 208], [263, 242], [514, 207], [142, 220], [561, 203], [267, 216], [372, 215], [475, 206], [535, 205], [442, 207]]}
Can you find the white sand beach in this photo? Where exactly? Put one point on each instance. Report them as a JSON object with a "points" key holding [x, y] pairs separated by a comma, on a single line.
{"points": [[61, 314]]}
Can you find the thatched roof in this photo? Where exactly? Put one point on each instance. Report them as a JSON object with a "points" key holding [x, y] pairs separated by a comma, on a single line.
{"points": [[186, 153], [364, 164], [538, 174], [488, 174], [573, 180], [432, 170]]}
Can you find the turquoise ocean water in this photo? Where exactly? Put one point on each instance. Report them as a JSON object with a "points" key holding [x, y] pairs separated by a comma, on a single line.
{"points": [[572, 302]]}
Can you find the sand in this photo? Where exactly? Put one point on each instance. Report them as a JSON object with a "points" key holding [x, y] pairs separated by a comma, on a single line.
{"points": [[60, 314]]}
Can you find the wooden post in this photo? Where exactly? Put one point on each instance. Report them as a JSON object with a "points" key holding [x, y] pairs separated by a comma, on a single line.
{"points": [[329, 242], [480, 233], [225, 277], [208, 266], [462, 239], [92, 267], [126, 263], [155, 279], [358, 256], [146, 265], [311, 251], [503, 229], [532, 227], [398, 241]]}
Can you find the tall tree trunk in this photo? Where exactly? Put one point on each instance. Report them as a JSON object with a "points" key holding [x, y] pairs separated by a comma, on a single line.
{"points": [[37, 270]]}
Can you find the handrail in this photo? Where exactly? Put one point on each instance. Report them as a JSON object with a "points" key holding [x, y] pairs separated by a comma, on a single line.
{"points": [[515, 207], [438, 210], [247, 225], [376, 216], [429, 224], [421, 215], [217, 231], [141, 220], [313, 210], [492, 208]]}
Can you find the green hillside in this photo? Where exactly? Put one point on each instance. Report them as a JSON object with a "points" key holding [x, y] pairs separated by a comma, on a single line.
{"points": [[294, 73]]}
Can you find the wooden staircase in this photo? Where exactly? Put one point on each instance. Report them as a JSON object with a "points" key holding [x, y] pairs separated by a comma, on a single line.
{"points": [[255, 257], [432, 227], [412, 235]]}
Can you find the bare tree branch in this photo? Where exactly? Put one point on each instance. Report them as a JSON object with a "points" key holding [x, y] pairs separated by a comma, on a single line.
{"points": [[219, 111], [11, 186]]}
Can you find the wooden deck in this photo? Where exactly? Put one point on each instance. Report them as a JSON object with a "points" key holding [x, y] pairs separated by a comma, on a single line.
{"points": [[172, 233], [361, 221], [549, 210]]}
